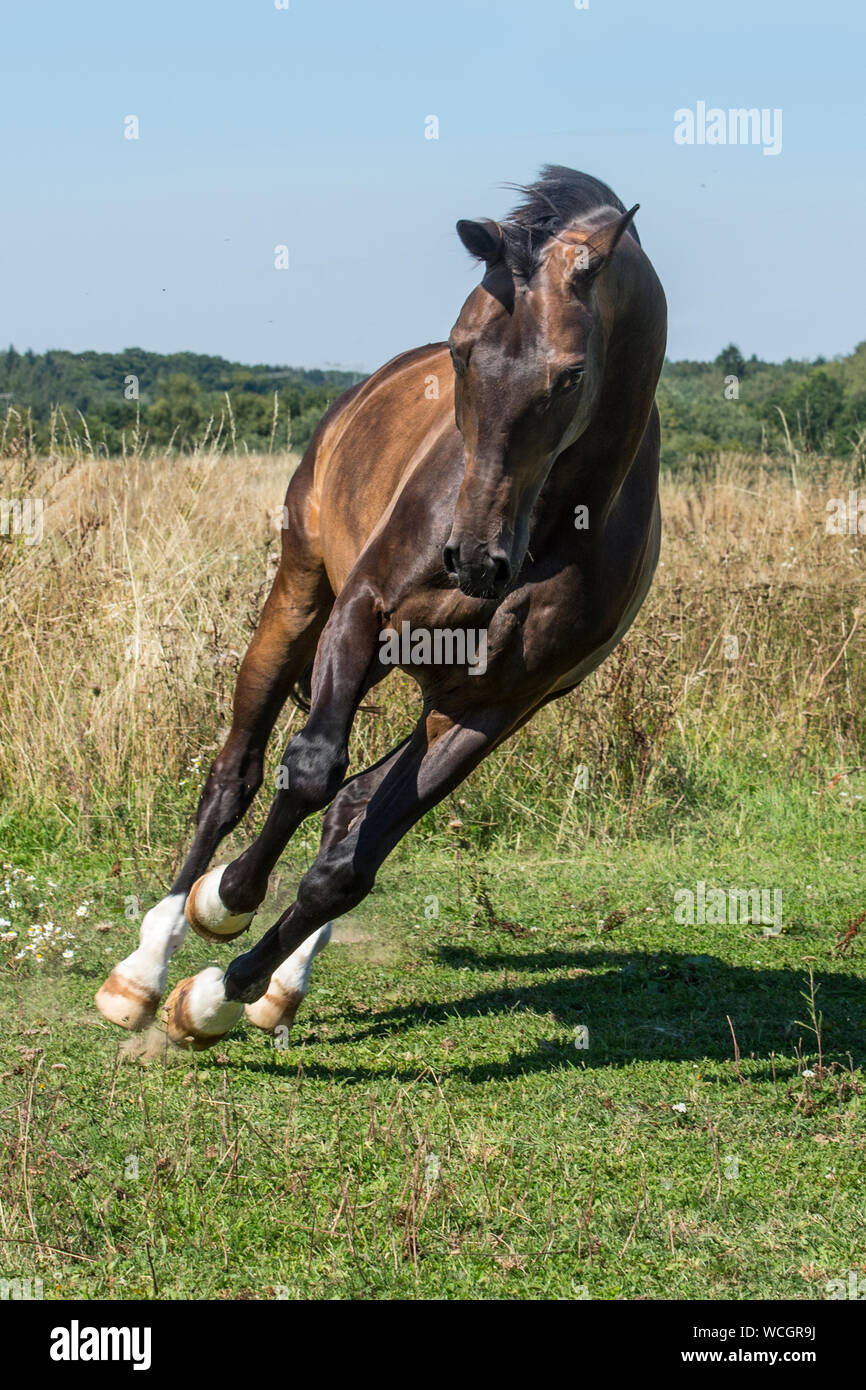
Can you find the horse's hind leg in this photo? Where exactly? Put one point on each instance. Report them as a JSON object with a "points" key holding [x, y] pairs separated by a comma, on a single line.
{"points": [[282, 647], [440, 753], [291, 980]]}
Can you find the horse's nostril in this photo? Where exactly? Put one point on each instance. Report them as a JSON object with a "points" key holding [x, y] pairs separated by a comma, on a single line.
{"points": [[479, 573], [501, 571]]}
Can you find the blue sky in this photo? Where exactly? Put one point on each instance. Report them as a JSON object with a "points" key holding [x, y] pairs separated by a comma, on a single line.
{"points": [[306, 127]]}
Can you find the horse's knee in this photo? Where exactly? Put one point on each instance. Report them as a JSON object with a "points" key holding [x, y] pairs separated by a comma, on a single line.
{"points": [[228, 792], [312, 771]]}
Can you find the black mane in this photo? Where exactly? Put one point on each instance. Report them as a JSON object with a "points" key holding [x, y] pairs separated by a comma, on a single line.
{"points": [[556, 198]]}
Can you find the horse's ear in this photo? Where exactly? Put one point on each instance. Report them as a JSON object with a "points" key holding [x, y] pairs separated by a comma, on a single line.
{"points": [[596, 251], [483, 240]]}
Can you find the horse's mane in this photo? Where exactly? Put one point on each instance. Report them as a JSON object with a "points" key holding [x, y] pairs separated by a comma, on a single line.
{"points": [[550, 204]]}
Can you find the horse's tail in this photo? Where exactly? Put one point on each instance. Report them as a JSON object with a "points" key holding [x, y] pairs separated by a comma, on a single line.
{"points": [[301, 692]]}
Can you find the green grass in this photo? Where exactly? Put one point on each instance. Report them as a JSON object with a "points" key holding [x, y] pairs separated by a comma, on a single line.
{"points": [[431, 1130]]}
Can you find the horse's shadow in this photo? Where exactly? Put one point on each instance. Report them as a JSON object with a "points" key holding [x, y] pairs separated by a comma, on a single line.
{"points": [[662, 1006]]}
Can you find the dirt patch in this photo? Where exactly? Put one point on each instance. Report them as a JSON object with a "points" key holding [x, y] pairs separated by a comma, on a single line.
{"points": [[347, 933]]}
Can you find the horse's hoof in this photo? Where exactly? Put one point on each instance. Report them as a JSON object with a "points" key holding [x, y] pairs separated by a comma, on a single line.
{"points": [[125, 1002], [208, 915], [275, 1009], [197, 1014]]}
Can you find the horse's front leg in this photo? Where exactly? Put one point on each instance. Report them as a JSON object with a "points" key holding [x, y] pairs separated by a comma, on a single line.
{"points": [[310, 774], [282, 647], [441, 752]]}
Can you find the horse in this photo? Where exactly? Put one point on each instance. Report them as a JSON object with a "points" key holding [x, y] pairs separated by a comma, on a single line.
{"points": [[503, 483]]}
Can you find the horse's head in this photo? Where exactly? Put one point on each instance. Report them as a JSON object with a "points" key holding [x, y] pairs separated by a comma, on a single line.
{"points": [[528, 356]]}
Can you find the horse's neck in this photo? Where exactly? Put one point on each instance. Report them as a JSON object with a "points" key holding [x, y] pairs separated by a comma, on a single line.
{"points": [[593, 472]]}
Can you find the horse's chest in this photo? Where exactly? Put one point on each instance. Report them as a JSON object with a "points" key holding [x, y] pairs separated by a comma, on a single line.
{"points": [[589, 661]]}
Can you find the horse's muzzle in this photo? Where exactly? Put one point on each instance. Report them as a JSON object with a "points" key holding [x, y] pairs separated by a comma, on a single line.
{"points": [[479, 573]]}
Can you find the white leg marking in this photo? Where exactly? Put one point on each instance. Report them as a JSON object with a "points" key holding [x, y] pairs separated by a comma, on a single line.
{"points": [[131, 993], [162, 931], [288, 984], [208, 910], [294, 973], [207, 1008]]}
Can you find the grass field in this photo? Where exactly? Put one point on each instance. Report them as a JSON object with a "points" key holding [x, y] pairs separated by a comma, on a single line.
{"points": [[439, 1124]]}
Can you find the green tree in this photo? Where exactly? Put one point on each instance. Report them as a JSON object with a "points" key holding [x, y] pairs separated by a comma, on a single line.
{"points": [[731, 361], [817, 403], [178, 410]]}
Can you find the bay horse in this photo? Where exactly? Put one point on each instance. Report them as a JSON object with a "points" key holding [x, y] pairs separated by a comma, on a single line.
{"points": [[504, 483]]}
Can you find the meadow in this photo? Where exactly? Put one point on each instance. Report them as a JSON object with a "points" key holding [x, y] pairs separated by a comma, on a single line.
{"points": [[520, 1073]]}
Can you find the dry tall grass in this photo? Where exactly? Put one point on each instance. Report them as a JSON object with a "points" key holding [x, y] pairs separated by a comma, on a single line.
{"points": [[121, 633]]}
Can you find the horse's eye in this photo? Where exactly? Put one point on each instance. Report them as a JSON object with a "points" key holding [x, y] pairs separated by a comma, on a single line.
{"points": [[569, 378], [457, 363]]}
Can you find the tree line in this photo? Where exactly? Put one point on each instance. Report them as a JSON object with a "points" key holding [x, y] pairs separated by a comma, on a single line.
{"points": [[135, 397], [758, 407], [163, 399]]}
